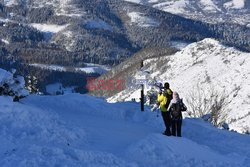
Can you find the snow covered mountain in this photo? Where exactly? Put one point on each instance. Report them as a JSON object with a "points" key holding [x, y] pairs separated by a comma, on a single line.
{"points": [[200, 72], [212, 11], [79, 130], [72, 33], [103, 32]]}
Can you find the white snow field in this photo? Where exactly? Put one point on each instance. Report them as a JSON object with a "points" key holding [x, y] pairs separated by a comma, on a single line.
{"points": [[235, 4], [80, 130], [51, 28], [141, 20], [90, 68]]}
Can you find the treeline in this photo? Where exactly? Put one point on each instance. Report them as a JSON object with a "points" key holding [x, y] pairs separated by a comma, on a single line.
{"points": [[45, 77], [97, 45]]}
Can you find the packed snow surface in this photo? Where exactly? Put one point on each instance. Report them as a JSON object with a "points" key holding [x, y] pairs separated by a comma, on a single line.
{"points": [[79, 130]]}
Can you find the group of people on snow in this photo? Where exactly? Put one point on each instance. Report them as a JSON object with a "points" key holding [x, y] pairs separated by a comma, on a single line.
{"points": [[171, 107]]}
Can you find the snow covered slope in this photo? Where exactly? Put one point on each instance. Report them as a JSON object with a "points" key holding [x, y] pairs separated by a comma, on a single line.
{"points": [[12, 84], [79, 130], [205, 66], [62, 7], [89, 68], [140, 20], [212, 11], [49, 27]]}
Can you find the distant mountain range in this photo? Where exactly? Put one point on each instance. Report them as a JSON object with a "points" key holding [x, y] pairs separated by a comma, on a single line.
{"points": [[212, 11], [71, 33]]}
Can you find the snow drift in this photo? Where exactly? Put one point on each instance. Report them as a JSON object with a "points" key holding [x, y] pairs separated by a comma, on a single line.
{"points": [[79, 130], [12, 84]]}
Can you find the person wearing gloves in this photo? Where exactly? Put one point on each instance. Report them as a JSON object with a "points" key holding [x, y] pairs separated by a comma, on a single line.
{"points": [[164, 97]]}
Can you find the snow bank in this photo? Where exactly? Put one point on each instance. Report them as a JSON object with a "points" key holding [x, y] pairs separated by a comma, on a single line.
{"points": [[12, 85], [4, 76], [156, 149], [28, 132], [80, 130]]}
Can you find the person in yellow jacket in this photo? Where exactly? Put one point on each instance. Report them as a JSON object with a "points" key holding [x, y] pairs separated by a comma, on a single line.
{"points": [[164, 98]]}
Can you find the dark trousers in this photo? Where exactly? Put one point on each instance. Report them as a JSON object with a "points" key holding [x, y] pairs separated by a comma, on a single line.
{"points": [[167, 121], [176, 127]]}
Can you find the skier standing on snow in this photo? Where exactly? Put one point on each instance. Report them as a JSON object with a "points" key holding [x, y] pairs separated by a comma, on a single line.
{"points": [[175, 108], [164, 97]]}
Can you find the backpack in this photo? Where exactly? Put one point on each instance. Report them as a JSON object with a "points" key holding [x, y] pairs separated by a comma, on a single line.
{"points": [[177, 108]]}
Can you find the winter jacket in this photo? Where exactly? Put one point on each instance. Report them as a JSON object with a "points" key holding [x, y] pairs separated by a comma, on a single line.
{"points": [[176, 109], [164, 99]]}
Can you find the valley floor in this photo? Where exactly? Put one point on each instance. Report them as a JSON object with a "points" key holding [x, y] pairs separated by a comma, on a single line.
{"points": [[79, 130]]}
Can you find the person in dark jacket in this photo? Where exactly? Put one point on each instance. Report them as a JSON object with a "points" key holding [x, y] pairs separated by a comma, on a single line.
{"points": [[175, 108]]}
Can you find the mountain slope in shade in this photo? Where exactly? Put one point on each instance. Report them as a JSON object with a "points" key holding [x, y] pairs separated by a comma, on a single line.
{"points": [[207, 66]]}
